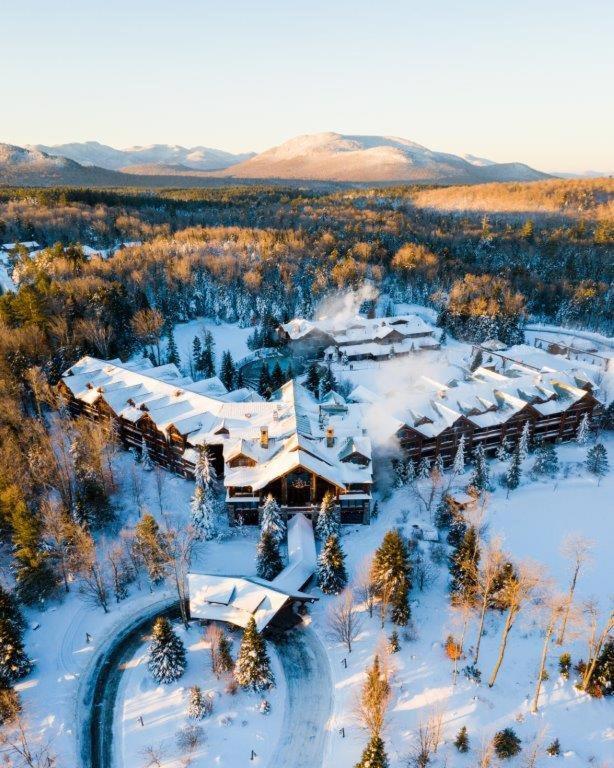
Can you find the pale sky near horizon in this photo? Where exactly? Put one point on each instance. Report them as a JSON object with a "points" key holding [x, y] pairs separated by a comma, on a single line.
{"points": [[526, 81]]}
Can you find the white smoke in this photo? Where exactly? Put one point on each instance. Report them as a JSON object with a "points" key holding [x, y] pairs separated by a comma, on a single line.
{"points": [[344, 306]]}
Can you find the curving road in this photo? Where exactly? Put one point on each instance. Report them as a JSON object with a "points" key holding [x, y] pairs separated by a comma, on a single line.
{"points": [[307, 707]]}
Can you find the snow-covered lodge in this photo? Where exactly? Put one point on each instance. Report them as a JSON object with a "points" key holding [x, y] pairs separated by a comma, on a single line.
{"points": [[359, 338], [293, 446], [489, 405]]}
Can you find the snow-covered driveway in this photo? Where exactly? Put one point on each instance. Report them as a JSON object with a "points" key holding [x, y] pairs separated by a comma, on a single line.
{"points": [[309, 701]]}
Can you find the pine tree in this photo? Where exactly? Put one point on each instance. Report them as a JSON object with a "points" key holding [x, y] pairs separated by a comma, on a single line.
{"points": [[374, 754], [329, 522], [409, 471], [272, 519], [34, 575], [512, 476], [14, 662], [438, 466], [398, 472], [458, 467], [146, 461], [464, 565], [10, 611], [547, 461], [332, 575], [277, 377], [390, 575], [166, 661], [202, 505], [524, 443], [197, 351], [312, 382], [10, 706], [289, 372], [225, 661], [597, 460], [554, 748], [394, 646], [480, 478], [172, 353], [151, 548], [503, 451], [424, 468], [328, 383], [461, 742], [239, 380], [603, 674], [268, 559], [584, 430], [506, 743], [227, 371], [199, 706], [443, 512], [252, 668], [206, 364], [264, 381]]}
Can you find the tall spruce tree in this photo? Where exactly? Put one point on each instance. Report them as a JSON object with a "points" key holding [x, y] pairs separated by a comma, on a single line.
{"points": [[227, 371], [264, 381], [199, 706], [272, 519], [146, 462], [524, 443], [253, 668], [514, 471], [150, 548], [197, 351], [331, 573], [480, 478], [277, 377], [584, 430], [207, 358], [268, 560], [374, 754], [166, 658], [14, 662], [34, 574], [390, 575], [328, 383], [597, 461], [464, 563], [172, 353], [10, 610], [202, 504], [547, 461], [458, 467], [312, 382], [424, 468], [329, 522]]}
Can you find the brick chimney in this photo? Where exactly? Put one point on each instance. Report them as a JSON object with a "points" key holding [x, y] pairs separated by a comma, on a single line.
{"points": [[264, 437], [330, 436]]}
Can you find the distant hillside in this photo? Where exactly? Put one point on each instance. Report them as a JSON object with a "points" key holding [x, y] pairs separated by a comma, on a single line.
{"points": [[335, 157], [592, 198], [156, 156], [28, 167]]}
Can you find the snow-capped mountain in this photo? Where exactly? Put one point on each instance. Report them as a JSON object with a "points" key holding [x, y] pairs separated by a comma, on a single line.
{"points": [[104, 156], [19, 165], [337, 157]]}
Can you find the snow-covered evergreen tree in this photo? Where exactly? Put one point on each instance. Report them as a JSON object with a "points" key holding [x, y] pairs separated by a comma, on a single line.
{"points": [[374, 754], [199, 706], [312, 382], [584, 430], [146, 461], [547, 461], [503, 451], [458, 467], [438, 465], [206, 364], [597, 460], [480, 477], [253, 668], [525, 441], [228, 371], [14, 662], [327, 382], [202, 504], [409, 472], [329, 522], [332, 575], [268, 559], [166, 661], [424, 468], [514, 471], [272, 519], [390, 575], [172, 353]]}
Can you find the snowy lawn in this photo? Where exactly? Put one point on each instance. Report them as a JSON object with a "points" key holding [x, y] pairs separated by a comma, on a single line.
{"points": [[226, 336], [233, 729]]}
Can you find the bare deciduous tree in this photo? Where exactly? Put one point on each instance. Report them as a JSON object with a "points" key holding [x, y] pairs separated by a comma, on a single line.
{"points": [[147, 325], [23, 750], [94, 578], [516, 592], [577, 549], [180, 543], [429, 739], [365, 589], [493, 559], [60, 533], [344, 620], [551, 611], [595, 646], [95, 332]]}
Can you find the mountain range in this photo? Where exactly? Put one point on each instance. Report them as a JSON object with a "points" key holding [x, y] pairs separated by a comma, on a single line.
{"points": [[322, 157]]}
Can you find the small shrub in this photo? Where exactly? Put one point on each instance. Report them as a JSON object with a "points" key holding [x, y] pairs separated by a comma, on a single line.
{"points": [[264, 707], [231, 686], [189, 737], [439, 555], [393, 642], [554, 749], [471, 672], [564, 665], [461, 742], [506, 743], [452, 648]]}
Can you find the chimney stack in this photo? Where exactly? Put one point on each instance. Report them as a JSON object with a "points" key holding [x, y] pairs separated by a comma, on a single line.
{"points": [[264, 437], [330, 437]]}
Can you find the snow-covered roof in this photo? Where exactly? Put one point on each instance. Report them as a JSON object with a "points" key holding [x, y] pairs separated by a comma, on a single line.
{"points": [[358, 330], [29, 244], [235, 599]]}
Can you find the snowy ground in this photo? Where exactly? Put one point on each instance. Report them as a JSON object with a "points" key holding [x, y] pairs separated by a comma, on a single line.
{"points": [[226, 336], [234, 728]]}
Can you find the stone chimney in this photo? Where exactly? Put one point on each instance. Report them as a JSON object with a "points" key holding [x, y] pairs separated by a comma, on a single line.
{"points": [[330, 436], [264, 437]]}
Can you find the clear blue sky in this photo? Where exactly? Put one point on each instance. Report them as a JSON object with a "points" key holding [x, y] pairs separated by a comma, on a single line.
{"points": [[516, 80]]}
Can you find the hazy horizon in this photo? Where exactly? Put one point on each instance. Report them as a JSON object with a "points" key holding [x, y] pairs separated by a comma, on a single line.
{"points": [[526, 84]]}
